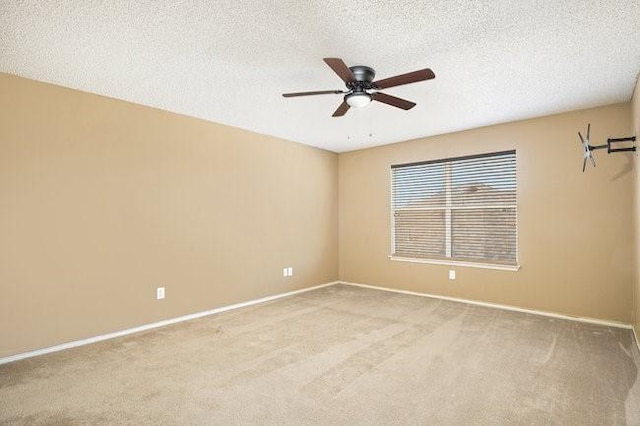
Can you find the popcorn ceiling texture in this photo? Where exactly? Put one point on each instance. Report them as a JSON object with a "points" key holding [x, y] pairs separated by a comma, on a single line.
{"points": [[229, 61]]}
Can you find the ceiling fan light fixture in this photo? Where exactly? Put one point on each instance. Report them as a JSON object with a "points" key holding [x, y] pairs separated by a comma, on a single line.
{"points": [[358, 99]]}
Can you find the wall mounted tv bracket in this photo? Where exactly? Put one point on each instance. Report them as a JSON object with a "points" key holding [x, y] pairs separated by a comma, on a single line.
{"points": [[588, 148]]}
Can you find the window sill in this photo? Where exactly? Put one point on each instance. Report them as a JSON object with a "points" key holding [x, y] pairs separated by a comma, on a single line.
{"points": [[499, 267]]}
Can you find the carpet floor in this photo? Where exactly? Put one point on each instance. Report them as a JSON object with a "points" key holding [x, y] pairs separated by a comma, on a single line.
{"points": [[339, 355]]}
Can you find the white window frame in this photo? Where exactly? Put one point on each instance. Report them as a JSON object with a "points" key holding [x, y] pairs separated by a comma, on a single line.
{"points": [[448, 209]]}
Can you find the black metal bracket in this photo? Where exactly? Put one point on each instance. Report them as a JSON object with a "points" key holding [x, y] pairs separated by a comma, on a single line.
{"points": [[626, 149], [610, 149], [596, 147]]}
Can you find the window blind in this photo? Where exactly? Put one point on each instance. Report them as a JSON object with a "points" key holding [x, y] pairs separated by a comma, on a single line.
{"points": [[460, 209]]}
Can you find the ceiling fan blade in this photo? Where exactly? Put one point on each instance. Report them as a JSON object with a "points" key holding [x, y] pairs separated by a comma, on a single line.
{"points": [[581, 138], [342, 109], [588, 132], [593, 161], [399, 80], [319, 92], [339, 67], [584, 164], [392, 100]]}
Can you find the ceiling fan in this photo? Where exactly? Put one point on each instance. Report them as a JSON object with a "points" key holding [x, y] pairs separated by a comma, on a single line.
{"points": [[361, 89]]}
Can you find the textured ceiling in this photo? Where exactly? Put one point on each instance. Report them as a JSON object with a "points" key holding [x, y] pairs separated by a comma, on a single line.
{"points": [[229, 61]]}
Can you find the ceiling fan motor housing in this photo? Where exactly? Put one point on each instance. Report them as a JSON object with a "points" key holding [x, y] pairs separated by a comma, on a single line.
{"points": [[363, 78]]}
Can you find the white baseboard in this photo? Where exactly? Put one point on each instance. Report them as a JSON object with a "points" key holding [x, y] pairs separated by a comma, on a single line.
{"points": [[499, 306], [145, 327]]}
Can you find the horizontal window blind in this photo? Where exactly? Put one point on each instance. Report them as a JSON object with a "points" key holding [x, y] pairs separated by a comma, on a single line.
{"points": [[461, 209]]}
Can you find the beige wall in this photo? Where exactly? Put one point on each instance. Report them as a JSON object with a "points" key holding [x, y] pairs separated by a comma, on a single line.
{"points": [[101, 201], [635, 117], [575, 229]]}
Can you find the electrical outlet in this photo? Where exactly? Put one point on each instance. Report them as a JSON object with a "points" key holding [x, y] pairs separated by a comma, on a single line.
{"points": [[290, 271], [285, 272], [452, 274], [160, 293]]}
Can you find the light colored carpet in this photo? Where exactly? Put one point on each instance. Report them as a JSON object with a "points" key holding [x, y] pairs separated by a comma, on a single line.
{"points": [[338, 355]]}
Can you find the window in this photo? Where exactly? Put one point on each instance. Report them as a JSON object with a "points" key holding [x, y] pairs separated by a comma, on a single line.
{"points": [[456, 210]]}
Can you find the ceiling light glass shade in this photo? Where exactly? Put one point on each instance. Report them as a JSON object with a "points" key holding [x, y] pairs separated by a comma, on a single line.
{"points": [[358, 100]]}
